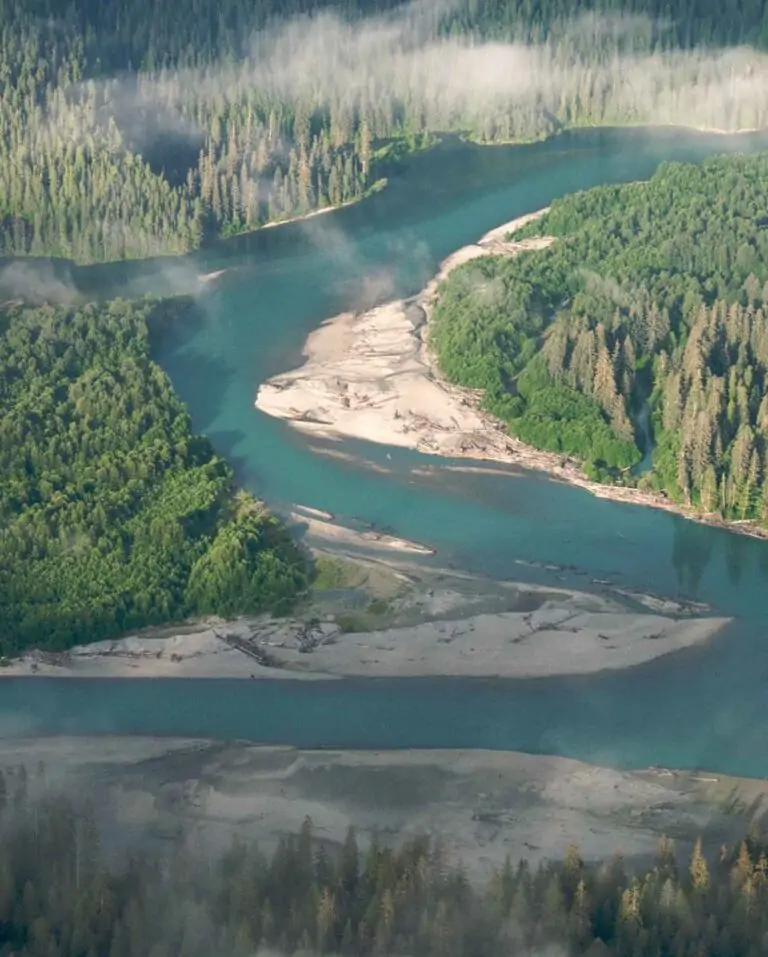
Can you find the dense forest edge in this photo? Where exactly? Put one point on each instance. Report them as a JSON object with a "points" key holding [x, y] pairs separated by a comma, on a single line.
{"points": [[642, 328], [113, 514], [63, 895], [133, 130]]}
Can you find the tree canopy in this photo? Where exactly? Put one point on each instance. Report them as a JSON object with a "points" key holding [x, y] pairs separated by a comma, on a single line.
{"points": [[113, 514], [133, 129], [654, 295], [62, 895]]}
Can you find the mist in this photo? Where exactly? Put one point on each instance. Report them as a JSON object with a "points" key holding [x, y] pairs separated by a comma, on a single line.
{"points": [[37, 282], [397, 71], [467, 85]]}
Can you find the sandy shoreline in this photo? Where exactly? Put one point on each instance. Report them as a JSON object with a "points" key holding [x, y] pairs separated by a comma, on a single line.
{"points": [[482, 805], [211, 276], [404, 626], [371, 376], [312, 214], [557, 641], [320, 525]]}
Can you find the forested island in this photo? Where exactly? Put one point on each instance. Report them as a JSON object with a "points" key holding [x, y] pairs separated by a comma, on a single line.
{"points": [[62, 895], [113, 514], [134, 129], [651, 304]]}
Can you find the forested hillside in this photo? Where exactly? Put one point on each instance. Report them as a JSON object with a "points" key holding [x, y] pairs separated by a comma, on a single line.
{"points": [[654, 295], [131, 128], [113, 515], [60, 897]]}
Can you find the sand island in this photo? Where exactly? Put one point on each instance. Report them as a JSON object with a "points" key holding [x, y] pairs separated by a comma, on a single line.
{"points": [[385, 617], [370, 376]]}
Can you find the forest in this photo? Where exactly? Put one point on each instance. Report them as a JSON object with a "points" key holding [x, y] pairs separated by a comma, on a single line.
{"points": [[136, 129], [62, 896], [654, 295], [113, 514]]}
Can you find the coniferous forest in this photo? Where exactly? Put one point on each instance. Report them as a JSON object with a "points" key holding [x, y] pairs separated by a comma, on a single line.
{"points": [[651, 303], [60, 897], [135, 129], [113, 514]]}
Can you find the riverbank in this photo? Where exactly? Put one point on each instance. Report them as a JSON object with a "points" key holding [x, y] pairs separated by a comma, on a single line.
{"points": [[482, 805], [319, 525], [382, 182], [371, 376], [376, 187], [400, 621]]}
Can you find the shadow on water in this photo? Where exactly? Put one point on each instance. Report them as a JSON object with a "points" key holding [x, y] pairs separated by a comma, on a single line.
{"points": [[704, 707], [692, 547], [414, 194], [225, 444], [170, 346]]}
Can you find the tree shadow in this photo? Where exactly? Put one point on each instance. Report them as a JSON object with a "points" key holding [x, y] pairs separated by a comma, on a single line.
{"points": [[692, 546], [201, 381], [225, 442]]}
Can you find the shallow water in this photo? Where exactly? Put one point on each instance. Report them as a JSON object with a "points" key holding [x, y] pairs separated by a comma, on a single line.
{"points": [[674, 714], [700, 708]]}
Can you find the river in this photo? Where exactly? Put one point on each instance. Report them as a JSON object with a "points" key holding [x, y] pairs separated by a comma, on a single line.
{"points": [[701, 708]]}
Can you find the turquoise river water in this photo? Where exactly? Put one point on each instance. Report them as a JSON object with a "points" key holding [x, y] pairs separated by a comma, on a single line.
{"points": [[702, 708]]}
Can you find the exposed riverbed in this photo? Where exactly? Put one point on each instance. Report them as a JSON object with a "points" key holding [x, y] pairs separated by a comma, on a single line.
{"points": [[703, 706], [371, 376], [482, 805], [430, 625]]}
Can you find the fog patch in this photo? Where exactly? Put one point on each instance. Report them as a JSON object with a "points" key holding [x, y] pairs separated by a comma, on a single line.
{"points": [[36, 282], [461, 82]]}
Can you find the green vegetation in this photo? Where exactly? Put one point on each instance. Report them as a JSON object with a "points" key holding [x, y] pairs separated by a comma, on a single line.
{"points": [[61, 897], [113, 515], [134, 129], [652, 293], [376, 615], [333, 573]]}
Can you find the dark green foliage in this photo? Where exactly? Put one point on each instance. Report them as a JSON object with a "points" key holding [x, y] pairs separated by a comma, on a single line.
{"points": [[131, 129], [489, 320], [653, 292], [251, 556], [113, 515], [684, 23], [59, 897], [562, 419]]}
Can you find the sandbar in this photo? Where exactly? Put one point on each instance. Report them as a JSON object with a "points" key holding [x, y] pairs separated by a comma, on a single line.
{"points": [[371, 376], [383, 612], [320, 526], [211, 276], [516, 632], [481, 805]]}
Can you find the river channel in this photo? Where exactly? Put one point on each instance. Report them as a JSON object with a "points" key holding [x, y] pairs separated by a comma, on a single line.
{"points": [[701, 708]]}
